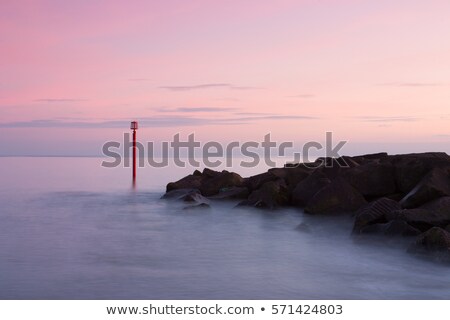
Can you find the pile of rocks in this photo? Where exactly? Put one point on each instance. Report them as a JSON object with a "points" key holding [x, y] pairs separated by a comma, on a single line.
{"points": [[404, 195]]}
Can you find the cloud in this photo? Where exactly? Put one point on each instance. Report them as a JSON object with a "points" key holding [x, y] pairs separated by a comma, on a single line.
{"points": [[411, 84], [195, 109], [51, 100], [303, 96], [254, 114], [208, 86], [245, 88], [139, 79], [388, 119], [196, 87], [172, 121]]}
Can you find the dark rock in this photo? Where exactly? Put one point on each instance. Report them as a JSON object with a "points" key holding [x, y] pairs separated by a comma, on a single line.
{"points": [[178, 193], [194, 196], [348, 162], [307, 188], [186, 195], [372, 179], [368, 157], [411, 168], [292, 176], [434, 185], [188, 182], [434, 242], [271, 195], [396, 196], [224, 179], [376, 228], [197, 206], [374, 213], [392, 228], [338, 197], [400, 228], [208, 173], [231, 193], [434, 213], [255, 182]]}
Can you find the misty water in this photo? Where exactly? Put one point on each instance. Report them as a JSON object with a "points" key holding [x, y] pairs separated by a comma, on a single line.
{"points": [[70, 229]]}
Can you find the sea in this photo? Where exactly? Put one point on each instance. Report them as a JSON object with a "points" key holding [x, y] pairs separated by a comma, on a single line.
{"points": [[72, 229]]}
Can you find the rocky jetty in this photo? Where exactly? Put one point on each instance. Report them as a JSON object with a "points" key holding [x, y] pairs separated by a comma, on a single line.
{"points": [[391, 195]]}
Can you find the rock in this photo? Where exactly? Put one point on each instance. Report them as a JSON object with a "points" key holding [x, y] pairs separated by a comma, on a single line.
{"points": [[400, 228], [307, 188], [224, 179], [434, 242], [392, 228], [186, 195], [374, 213], [271, 195], [292, 176], [434, 185], [231, 193], [376, 228], [255, 182], [178, 193], [196, 197], [372, 179], [433, 214], [208, 173], [369, 157], [338, 197], [411, 168], [188, 182], [197, 206]]}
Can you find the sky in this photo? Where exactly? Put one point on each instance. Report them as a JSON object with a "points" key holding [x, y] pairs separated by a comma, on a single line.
{"points": [[73, 74]]}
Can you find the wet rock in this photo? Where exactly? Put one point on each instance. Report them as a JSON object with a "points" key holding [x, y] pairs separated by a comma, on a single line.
{"points": [[433, 214], [194, 197], [255, 182], [292, 176], [337, 197], [434, 243], [392, 228], [307, 188], [369, 157], [187, 195], [224, 179], [374, 213], [189, 182], [272, 194], [179, 193], [434, 185], [231, 193], [411, 168], [372, 179], [197, 206], [400, 228]]}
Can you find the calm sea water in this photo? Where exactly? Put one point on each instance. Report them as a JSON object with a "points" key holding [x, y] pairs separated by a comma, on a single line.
{"points": [[70, 229]]}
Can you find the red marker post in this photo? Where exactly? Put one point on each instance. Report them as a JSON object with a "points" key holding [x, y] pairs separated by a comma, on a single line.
{"points": [[134, 127]]}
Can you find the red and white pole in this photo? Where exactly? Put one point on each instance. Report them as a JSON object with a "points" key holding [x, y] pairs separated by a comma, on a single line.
{"points": [[134, 127]]}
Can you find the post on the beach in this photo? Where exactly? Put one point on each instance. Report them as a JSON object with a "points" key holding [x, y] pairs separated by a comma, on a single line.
{"points": [[134, 127]]}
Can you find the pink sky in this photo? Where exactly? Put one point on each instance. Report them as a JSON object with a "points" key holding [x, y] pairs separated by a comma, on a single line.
{"points": [[376, 73]]}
